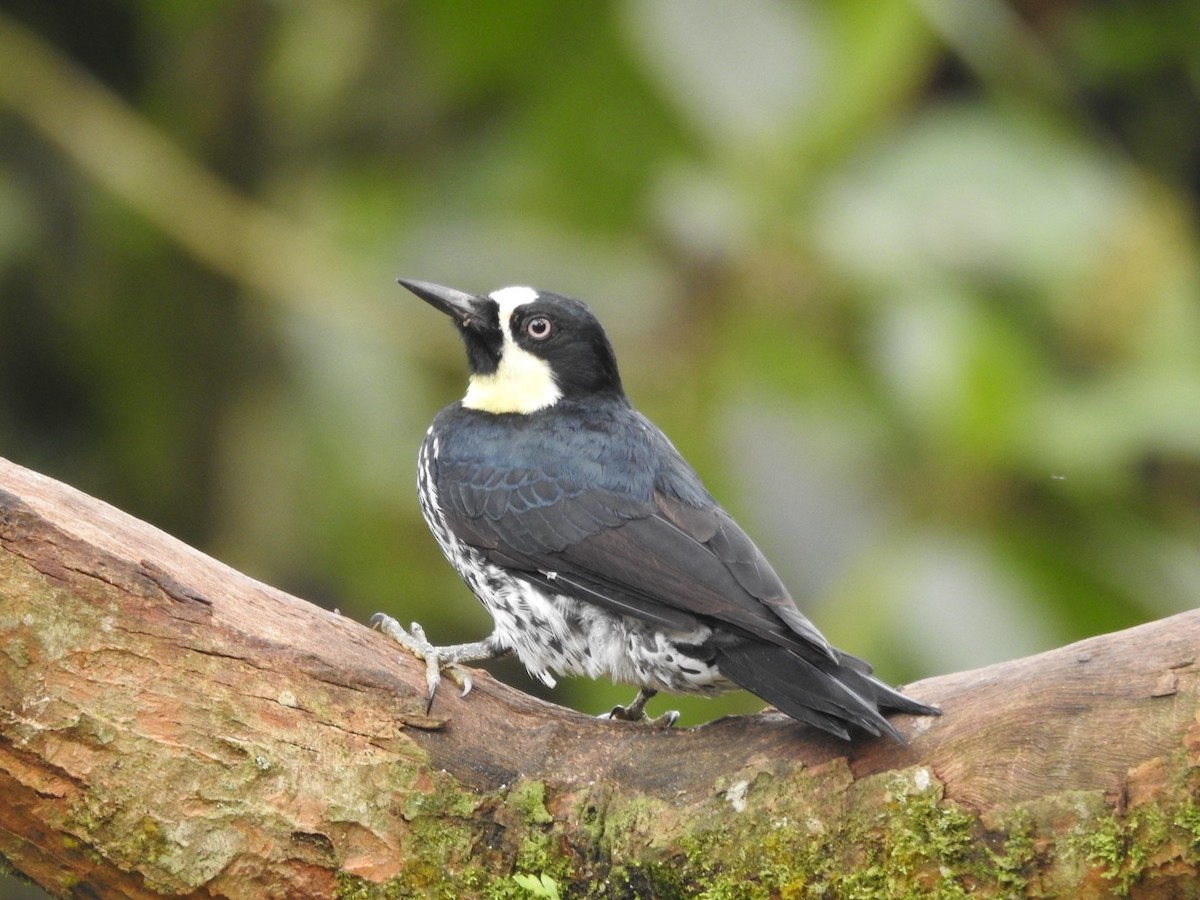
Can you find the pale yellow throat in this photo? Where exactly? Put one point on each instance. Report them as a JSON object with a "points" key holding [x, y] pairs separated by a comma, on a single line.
{"points": [[522, 383]]}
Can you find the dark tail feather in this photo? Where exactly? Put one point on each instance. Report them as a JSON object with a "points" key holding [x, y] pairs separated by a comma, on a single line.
{"points": [[829, 696], [856, 674]]}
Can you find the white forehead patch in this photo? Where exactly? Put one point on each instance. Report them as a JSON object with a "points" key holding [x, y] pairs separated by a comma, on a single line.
{"points": [[510, 298], [523, 383]]}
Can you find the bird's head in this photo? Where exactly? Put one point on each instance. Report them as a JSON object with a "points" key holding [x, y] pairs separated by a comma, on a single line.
{"points": [[526, 349]]}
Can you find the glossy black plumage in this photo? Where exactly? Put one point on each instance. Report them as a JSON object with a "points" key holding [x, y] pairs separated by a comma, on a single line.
{"points": [[585, 500], [634, 525]]}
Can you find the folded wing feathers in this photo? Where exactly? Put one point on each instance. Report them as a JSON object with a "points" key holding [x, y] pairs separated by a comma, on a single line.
{"points": [[648, 568]]}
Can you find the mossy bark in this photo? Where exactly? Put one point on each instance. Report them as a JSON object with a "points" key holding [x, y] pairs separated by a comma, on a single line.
{"points": [[169, 726]]}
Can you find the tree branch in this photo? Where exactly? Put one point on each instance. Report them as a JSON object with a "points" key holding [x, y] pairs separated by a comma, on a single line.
{"points": [[170, 726]]}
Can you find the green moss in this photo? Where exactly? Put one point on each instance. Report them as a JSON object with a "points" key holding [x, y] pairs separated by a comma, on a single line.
{"points": [[629, 825], [351, 887], [801, 837], [1103, 843], [909, 842], [922, 831], [444, 831], [654, 879], [1016, 860], [545, 854], [528, 798], [1187, 820], [147, 840], [443, 798], [1126, 848]]}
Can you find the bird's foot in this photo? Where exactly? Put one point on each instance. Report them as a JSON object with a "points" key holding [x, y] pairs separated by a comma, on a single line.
{"points": [[437, 659], [636, 712]]}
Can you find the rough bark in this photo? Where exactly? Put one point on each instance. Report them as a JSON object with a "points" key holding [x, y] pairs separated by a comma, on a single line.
{"points": [[170, 726]]}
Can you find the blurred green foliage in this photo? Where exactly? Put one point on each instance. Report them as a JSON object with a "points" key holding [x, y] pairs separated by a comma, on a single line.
{"points": [[914, 285]]}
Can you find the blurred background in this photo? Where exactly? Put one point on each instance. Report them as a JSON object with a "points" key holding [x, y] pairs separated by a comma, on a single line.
{"points": [[914, 285]]}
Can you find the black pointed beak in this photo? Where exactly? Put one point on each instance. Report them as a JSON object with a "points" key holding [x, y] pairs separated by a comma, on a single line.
{"points": [[460, 306]]}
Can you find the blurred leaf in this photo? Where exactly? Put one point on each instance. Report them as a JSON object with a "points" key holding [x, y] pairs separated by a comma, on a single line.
{"points": [[698, 52], [963, 191]]}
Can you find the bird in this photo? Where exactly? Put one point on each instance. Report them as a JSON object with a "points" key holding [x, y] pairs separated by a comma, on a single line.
{"points": [[595, 546]]}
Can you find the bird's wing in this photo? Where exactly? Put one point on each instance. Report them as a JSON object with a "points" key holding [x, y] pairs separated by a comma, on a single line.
{"points": [[696, 559], [662, 559], [524, 519]]}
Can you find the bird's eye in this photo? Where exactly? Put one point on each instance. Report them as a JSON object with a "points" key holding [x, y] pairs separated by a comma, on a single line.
{"points": [[538, 328]]}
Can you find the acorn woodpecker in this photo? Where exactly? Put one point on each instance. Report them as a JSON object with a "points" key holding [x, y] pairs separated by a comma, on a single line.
{"points": [[594, 545]]}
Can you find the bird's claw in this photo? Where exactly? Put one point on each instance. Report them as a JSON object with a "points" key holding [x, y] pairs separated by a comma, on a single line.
{"points": [[636, 712], [415, 642], [627, 714], [666, 720]]}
